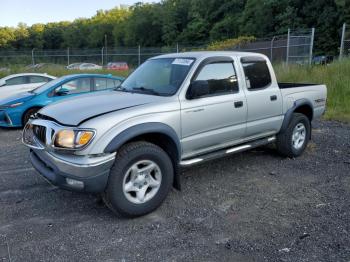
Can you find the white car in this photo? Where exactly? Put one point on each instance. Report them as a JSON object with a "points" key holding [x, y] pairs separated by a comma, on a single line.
{"points": [[84, 66], [14, 84]]}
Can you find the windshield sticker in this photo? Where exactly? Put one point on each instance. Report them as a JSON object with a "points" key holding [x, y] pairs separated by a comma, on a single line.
{"points": [[182, 61]]}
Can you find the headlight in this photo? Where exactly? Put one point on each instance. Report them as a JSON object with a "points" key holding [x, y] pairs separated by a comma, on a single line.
{"points": [[16, 104], [11, 105], [73, 139]]}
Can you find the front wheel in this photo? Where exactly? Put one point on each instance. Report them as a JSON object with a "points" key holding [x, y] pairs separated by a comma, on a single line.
{"points": [[139, 181], [293, 141], [28, 114]]}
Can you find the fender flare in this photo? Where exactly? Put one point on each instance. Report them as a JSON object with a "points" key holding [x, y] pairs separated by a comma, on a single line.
{"points": [[141, 129], [290, 111]]}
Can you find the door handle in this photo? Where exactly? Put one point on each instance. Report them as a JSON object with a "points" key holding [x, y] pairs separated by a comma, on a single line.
{"points": [[273, 98], [238, 104]]}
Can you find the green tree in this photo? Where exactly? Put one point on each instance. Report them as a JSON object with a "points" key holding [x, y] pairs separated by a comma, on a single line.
{"points": [[21, 36], [35, 38], [7, 37], [144, 25]]}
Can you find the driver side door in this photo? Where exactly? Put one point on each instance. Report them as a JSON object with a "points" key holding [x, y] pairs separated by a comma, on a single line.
{"points": [[71, 88], [217, 119]]}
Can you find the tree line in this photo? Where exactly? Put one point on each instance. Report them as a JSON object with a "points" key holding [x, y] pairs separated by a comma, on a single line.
{"points": [[189, 22]]}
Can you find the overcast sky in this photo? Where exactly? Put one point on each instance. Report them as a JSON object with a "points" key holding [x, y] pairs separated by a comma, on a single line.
{"points": [[42, 11]]}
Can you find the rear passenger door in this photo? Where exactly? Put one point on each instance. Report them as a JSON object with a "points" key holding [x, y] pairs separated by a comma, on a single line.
{"points": [[217, 119], [263, 97]]}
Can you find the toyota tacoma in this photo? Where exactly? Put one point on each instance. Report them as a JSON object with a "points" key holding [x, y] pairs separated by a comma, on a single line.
{"points": [[173, 111]]}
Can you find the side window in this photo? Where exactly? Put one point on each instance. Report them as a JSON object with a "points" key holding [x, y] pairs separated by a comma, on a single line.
{"points": [[105, 83], [75, 86], [221, 77], [257, 74], [38, 79], [113, 83], [19, 80], [100, 84]]}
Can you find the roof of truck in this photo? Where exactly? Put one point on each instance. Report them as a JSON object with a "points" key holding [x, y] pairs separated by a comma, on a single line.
{"points": [[203, 54]]}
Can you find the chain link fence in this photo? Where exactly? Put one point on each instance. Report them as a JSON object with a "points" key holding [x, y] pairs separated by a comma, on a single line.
{"points": [[293, 47], [345, 41]]}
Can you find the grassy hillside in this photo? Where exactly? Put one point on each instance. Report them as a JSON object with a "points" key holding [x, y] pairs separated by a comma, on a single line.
{"points": [[337, 78]]}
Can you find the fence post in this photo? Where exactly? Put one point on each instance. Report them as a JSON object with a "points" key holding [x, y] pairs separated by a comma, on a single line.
{"points": [[271, 51], [33, 61], [106, 48], [177, 47], [312, 45], [341, 52], [102, 55], [288, 43], [68, 56], [139, 54]]}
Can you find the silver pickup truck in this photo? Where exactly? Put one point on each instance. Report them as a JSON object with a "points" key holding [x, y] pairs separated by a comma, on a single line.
{"points": [[175, 110]]}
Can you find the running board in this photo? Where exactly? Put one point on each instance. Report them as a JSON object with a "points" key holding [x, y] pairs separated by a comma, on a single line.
{"points": [[223, 152]]}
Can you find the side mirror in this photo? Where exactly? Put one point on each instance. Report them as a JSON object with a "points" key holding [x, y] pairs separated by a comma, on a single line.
{"points": [[197, 89], [62, 92]]}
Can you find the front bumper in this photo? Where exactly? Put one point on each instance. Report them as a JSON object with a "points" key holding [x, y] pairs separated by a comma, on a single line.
{"points": [[5, 120], [84, 174]]}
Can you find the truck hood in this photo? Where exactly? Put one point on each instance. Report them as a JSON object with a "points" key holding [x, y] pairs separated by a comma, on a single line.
{"points": [[73, 111]]}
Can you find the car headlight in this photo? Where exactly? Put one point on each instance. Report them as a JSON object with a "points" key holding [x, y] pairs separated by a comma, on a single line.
{"points": [[11, 105], [73, 139], [16, 104]]}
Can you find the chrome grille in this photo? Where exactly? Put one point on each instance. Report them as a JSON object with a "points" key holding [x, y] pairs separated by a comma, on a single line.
{"points": [[40, 133]]}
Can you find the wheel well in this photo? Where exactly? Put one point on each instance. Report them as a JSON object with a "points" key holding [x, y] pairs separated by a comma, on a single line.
{"points": [[161, 140], [306, 110], [25, 112], [168, 145]]}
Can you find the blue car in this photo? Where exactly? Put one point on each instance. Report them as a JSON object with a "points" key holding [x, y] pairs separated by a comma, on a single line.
{"points": [[16, 110]]}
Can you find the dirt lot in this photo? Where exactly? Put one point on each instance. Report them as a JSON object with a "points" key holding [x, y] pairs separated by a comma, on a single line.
{"points": [[254, 206]]}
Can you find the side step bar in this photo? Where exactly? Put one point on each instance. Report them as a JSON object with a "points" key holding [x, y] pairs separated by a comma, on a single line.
{"points": [[223, 152]]}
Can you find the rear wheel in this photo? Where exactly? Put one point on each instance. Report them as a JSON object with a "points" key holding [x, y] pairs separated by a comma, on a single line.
{"points": [[293, 141], [140, 179], [29, 113]]}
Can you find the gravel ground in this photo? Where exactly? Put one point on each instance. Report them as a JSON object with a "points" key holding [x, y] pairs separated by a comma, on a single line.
{"points": [[253, 206]]}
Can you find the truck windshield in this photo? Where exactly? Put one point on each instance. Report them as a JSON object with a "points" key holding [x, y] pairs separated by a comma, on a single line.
{"points": [[162, 76]]}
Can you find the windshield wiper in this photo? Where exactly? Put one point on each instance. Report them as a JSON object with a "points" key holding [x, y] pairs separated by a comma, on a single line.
{"points": [[148, 90]]}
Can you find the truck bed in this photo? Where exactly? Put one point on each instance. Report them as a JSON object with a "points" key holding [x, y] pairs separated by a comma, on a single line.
{"points": [[314, 93]]}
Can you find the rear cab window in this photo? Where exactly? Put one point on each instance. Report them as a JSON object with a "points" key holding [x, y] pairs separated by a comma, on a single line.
{"points": [[257, 73]]}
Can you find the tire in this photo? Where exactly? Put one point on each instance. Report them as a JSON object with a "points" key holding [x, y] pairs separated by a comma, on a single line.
{"points": [[125, 175], [28, 114], [285, 144]]}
